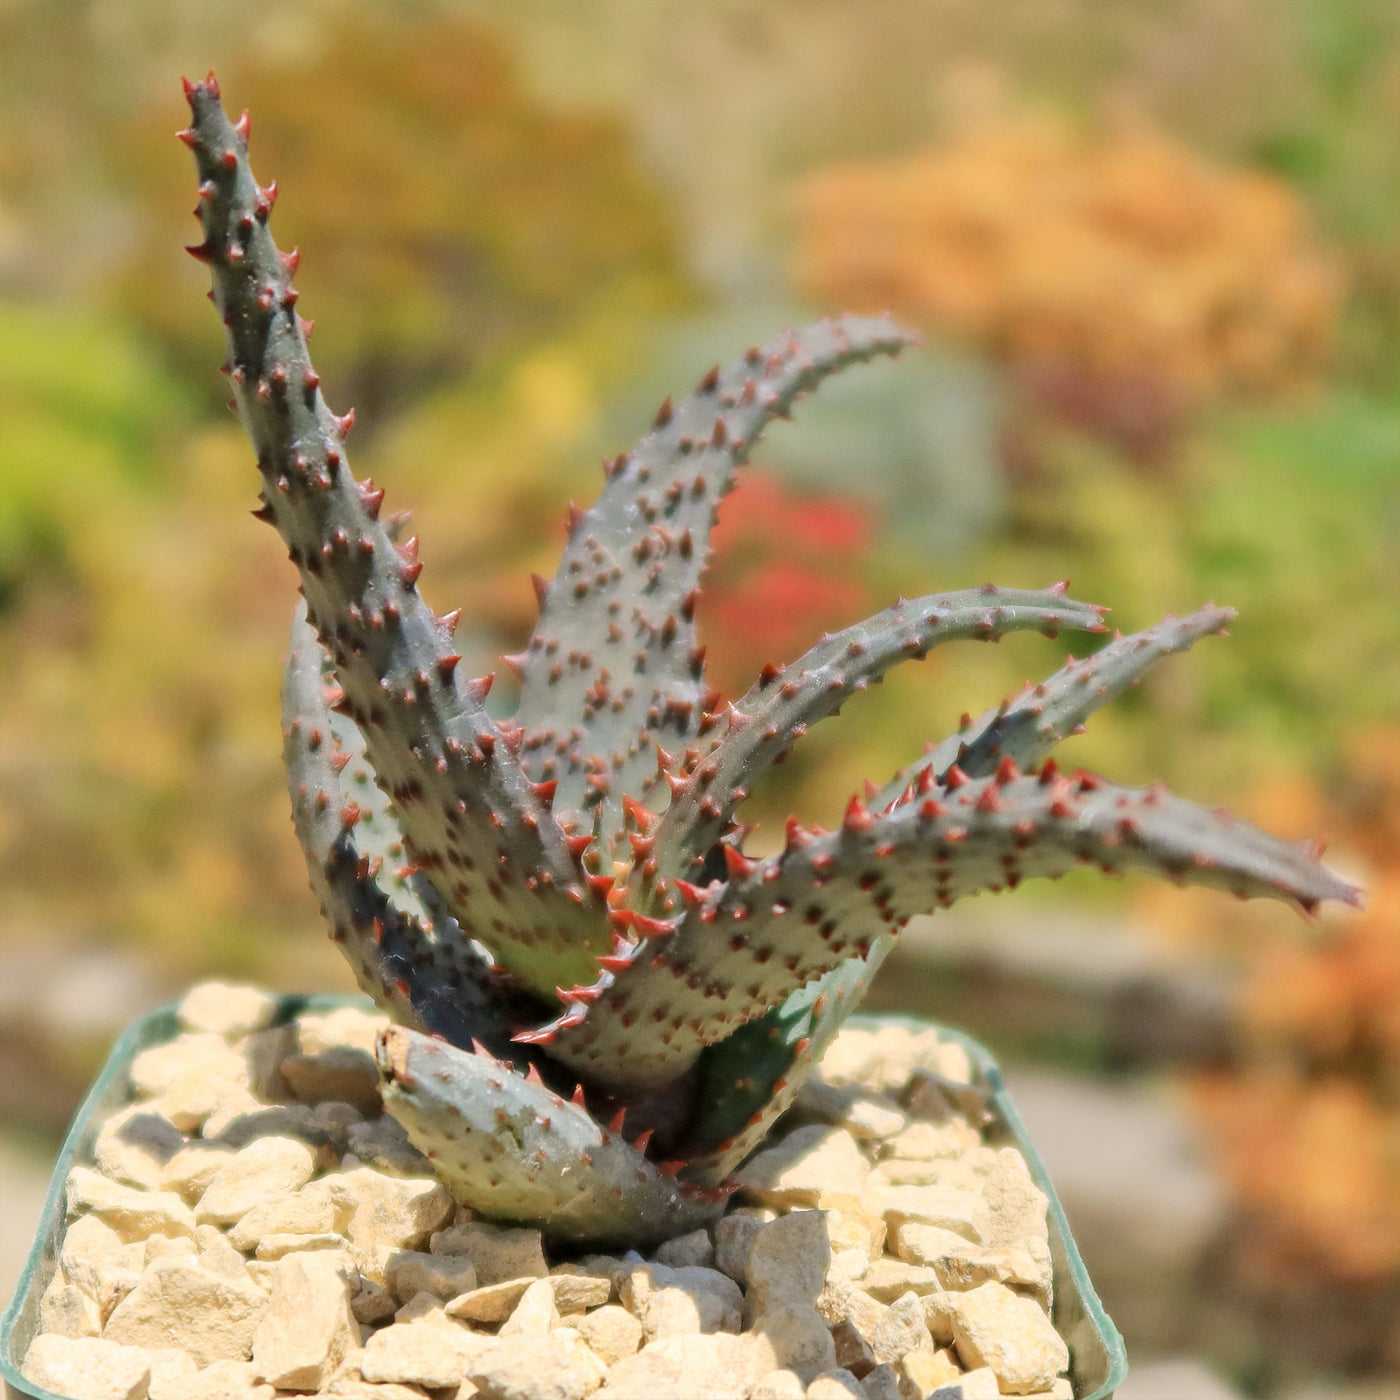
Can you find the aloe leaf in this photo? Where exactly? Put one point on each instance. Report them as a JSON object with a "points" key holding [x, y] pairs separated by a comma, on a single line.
{"points": [[457, 786], [744, 945], [1028, 726], [747, 1081], [785, 701], [514, 1150], [406, 950], [612, 668]]}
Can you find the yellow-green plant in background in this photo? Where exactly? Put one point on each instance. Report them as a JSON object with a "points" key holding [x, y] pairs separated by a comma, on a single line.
{"points": [[132, 774], [497, 219]]}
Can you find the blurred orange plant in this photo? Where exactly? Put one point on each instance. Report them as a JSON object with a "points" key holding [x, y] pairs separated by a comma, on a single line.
{"points": [[1307, 1128], [1122, 278]]}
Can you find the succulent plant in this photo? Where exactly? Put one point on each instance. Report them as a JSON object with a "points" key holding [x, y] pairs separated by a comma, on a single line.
{"points": [[478, 872]]}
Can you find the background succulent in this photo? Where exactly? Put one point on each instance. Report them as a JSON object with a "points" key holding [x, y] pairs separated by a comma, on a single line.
{"points": [[588, 849]]}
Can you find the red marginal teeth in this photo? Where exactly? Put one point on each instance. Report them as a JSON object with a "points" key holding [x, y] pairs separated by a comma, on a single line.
{"points": [[643, 926], [692, 894], [736, 863], [643, 816]]}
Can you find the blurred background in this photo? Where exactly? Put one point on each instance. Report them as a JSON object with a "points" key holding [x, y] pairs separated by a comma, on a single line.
{"points": [[1155, 251]]}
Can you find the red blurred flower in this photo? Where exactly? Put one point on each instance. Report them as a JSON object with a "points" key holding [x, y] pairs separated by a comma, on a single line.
{"points": [[787, 567]]}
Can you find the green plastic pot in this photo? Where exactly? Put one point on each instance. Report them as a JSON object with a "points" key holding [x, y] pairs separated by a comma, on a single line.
{"points": [[1098, 1362]]}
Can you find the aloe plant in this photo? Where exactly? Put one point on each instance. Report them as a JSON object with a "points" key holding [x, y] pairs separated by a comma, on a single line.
{"points": [[480, 872]]}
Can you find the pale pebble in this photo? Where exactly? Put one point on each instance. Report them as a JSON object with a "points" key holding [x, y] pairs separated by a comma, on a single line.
{"points": [[225, 1009], [807, 1162], [611, 1332], [535, 1314], [179, 1303], [135, 1144], [837, 1384], [87, 1368], [781, 1384], [994, 1327], [265, 1169], [130, 1211], [308, 1327], [498, 1252]]}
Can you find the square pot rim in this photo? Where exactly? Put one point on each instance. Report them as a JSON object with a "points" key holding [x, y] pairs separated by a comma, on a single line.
{"points": [[1096, 1346]]}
